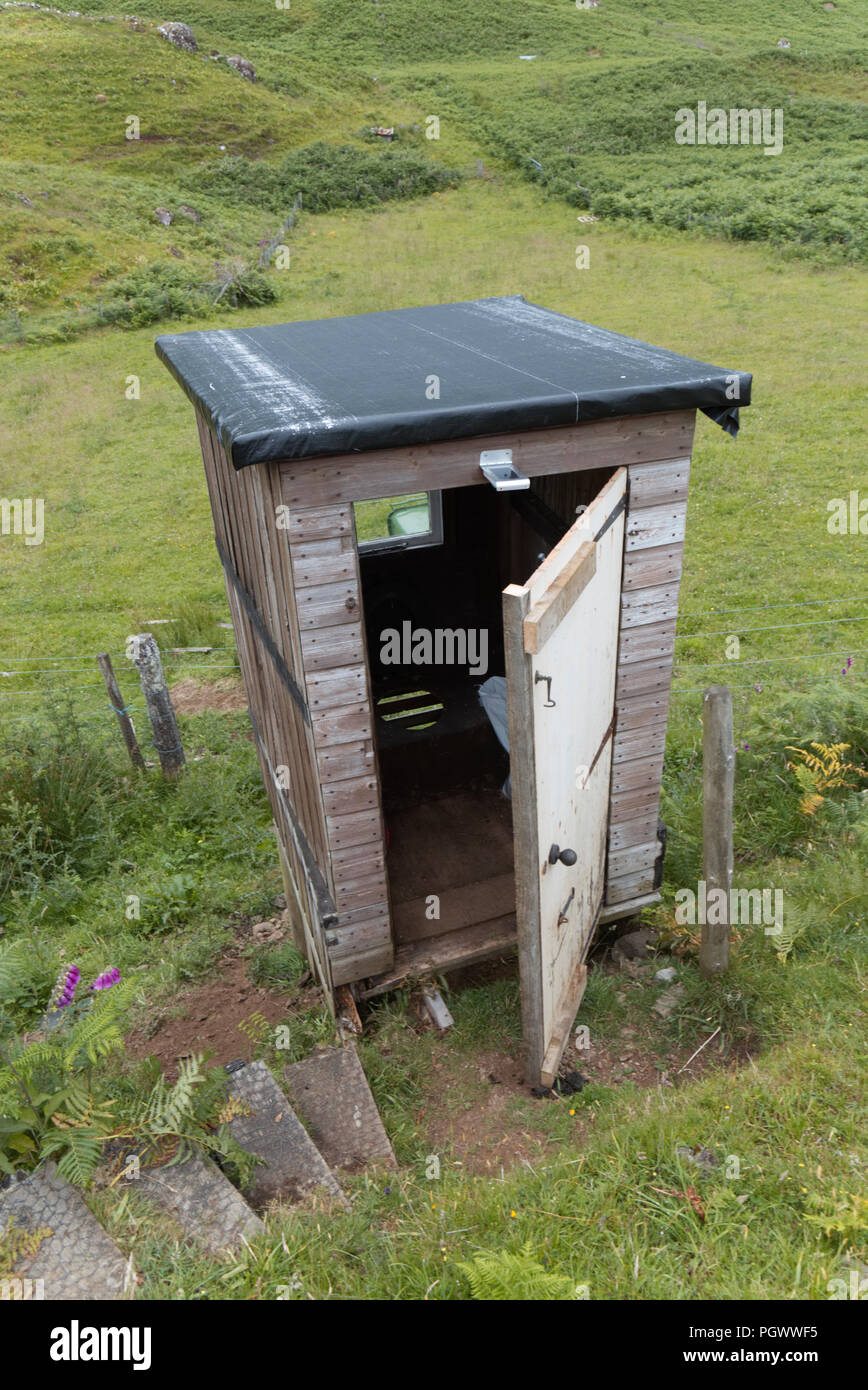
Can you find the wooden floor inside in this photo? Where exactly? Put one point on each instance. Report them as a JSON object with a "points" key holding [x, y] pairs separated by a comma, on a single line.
{"points": [[451, 880]]}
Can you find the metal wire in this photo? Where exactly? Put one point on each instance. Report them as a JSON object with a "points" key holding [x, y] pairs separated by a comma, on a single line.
{"points": [[765, 661], [753, 607], [771, 627]]}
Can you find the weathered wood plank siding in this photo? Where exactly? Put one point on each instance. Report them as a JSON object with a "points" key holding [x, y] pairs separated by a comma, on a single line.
{"points": [[327, 585], [653, 551], [243, 507]]}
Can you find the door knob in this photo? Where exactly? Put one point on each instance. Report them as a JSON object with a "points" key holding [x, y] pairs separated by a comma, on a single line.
{"points": [[566, 856]]}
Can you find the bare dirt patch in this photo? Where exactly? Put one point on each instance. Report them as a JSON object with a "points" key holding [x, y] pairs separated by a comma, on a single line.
{"points": [[473, 1108], [192, 697], [208, 1018], [469, 1112]]}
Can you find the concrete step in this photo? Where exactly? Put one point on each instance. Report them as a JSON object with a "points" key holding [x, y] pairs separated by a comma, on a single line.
{"points": [[202, 1200], [331, 1093], [293, 1165], [78, 1260]]}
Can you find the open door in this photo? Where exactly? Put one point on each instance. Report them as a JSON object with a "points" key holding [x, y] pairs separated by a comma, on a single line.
{"points": [[561, 638]]}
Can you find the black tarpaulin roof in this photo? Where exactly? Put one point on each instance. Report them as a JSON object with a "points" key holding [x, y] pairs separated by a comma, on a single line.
{"points": [[414, 376]]}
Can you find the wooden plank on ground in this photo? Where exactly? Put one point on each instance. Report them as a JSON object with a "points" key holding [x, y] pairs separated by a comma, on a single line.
{"points": [[444, 953], [617, 911]]}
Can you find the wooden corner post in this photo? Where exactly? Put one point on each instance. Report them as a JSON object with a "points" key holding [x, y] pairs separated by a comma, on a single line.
{"points": [[718, 776], [145, 654]]}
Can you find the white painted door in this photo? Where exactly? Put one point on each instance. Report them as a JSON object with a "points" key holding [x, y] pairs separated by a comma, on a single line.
{"points": [[561, 635]]}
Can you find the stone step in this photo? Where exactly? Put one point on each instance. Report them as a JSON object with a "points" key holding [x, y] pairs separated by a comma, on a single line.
{"points": [[202, 1200], [78, 1260], [331, 1093], [293, 1165]]}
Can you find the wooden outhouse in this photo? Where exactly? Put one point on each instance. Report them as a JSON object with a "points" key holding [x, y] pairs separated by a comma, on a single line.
{"points": [[408, 505]]}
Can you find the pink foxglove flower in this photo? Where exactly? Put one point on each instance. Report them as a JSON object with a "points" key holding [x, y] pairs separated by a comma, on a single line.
{"points": [[107, 979]]}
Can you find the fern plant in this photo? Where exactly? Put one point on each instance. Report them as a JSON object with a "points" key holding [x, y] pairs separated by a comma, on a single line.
{"points": [[515, 1275], [822, 771], [18, 1243], [848, 1217], [57, 1100], [189, 1115], [50, 1094]]}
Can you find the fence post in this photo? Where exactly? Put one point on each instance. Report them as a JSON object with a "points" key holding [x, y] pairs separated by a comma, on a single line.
{"points": [[718, 774], [120, 709], [144, 652]]}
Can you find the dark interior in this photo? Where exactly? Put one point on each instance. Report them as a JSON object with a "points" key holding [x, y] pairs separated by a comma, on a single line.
{"points": [[442, 768]]}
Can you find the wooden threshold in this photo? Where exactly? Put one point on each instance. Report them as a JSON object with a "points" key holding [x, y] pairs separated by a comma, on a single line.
{"points": [[438, 954], [617, 910]]}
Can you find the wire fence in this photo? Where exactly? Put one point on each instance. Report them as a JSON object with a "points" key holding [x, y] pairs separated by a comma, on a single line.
{"points": [[764, 673]]}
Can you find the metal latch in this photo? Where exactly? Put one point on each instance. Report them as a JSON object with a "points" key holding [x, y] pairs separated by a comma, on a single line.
{"points": [[496, 464], [562, 915]]}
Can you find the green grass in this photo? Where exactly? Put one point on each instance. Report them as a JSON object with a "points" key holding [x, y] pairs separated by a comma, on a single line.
{"points": [[123, 478], [595, 109]]}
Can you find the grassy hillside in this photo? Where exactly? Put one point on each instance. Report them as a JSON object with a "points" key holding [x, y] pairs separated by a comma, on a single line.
{"points": [[590, 119], [125, 475]]}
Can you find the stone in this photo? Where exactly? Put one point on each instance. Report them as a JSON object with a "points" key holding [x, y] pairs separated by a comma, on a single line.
{"points": [[266, 931], [292, 1164], [332, 1095], [202, 1200], [633, 945], [668, 1001], [667, 975], [181, 35], [78, 1260], [699, 1157], [243, 66], [163, 215], [185, 210]]}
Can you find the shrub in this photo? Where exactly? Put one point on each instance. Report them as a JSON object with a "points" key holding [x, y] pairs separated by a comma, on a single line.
{"points": [[54, 810], [328, 177]]}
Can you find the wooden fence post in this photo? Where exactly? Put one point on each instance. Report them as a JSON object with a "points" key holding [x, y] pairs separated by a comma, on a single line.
{"points": [[117, 704], [718, 774], [145, 653]]}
